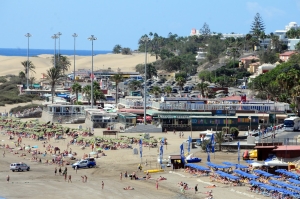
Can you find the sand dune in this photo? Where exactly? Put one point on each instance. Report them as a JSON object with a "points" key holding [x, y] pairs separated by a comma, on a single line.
{"points": [[12, 64]]}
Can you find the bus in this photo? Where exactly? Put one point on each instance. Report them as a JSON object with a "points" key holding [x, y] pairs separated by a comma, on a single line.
{"points": [[291, 124]]}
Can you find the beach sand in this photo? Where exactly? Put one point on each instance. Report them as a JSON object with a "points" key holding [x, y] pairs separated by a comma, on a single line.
{"points": [[40, 181], [11, 65]]}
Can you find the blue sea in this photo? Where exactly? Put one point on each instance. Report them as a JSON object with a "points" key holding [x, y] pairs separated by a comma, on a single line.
{"points": [[36, 52]]}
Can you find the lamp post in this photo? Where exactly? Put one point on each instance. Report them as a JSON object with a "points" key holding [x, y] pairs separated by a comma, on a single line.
{"points": [[59, 34], [263, 115], [145, 40], [27, 70], [92, 38], [54, 37], [74, 35]]}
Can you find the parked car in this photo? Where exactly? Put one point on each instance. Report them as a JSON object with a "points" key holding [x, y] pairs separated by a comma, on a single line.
{"points": [[19, 167], [86, 163]]}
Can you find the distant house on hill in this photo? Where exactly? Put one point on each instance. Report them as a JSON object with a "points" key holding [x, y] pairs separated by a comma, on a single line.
{"points": [[286, 55], [246, 61]]}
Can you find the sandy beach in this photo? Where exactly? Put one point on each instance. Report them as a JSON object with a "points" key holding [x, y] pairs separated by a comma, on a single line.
{"points": [[40, 181], [12, 64]]}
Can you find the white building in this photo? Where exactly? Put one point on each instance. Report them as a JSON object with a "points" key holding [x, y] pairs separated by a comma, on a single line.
{"points": [[200, 54]]}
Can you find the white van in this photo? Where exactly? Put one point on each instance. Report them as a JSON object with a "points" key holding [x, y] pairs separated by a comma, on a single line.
{"points": [[208, 136]]}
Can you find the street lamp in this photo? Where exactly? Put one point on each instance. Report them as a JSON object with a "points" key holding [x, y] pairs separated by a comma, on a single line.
{"points": [[74, 35], [92, 38], [27, 35], [54, 37], [145, 39], [59, 34]]}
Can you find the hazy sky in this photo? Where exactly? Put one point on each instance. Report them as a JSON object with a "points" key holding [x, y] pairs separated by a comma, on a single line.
{"points": [[125, 21]]}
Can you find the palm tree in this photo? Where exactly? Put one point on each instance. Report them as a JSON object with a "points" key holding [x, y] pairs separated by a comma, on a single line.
{"points": [[168, 90], [117, 78], [263, 37], [22, 75], [219, 139], [134, 85], [53, 75], [202, 87], [180, 82], [62, 62], [156, 90], [76, 88], [31, 66], [87, 91]]}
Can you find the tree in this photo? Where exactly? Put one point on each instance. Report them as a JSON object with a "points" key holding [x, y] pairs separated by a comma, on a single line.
{"points": [[22, 75], [117, 49], [76, 88], [205, 31], [151, 70], [180, 82], [202, 87], [168, 90], [53, 75], [257, 26], [134, 85], [62, 62], [234, 131], [31, 80], [87, 91], [31, 66], [219, 139], [156, 90], [117, 78], [126, 51]]}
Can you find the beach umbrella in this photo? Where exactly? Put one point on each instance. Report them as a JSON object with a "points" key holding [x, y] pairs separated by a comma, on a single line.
{"points": [[182, 153], [99, 149]]}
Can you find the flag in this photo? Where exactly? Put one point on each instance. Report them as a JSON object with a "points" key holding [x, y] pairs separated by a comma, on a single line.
{"points": [[182, 153], [208, 156], [189, 146], [238, 150], [141, 147], [212, 142], [93, 77], [161, 151]]}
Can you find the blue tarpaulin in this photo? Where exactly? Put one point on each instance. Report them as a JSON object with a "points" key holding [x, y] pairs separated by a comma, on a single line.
{"points": [[287, 173], [223, 174]]}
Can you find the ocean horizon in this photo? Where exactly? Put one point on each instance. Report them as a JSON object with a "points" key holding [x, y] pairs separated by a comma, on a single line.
{"points": [[36, 52]]}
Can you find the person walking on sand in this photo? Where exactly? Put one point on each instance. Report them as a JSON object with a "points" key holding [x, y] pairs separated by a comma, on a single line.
{"points": [[65, 174], [7, 178], [3, 153], [82, 177], [59, 171], [121, 176], [196, 188], [156, 184], [102, 184], [76, 167], [69, 179], [85, 178], [55, 171]]}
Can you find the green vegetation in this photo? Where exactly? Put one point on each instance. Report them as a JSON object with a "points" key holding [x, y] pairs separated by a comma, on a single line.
{"points": [[97, 93], [282, 83], [10, 93], [22, 108]]}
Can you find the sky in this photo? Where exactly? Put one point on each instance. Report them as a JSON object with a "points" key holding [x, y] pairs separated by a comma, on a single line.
{"points": [[125, 21]]}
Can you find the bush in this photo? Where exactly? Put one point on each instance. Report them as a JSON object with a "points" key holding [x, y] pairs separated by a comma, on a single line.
{"points": [[234, 131], [22, 108], [3, 80]]}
